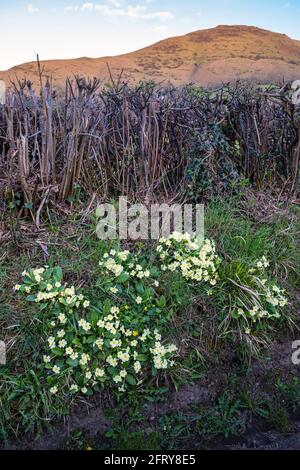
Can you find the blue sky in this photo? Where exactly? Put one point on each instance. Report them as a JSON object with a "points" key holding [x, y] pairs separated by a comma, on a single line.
{"points": [[67, 29]]}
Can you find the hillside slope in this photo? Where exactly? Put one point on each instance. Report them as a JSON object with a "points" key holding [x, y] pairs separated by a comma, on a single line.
{"points": [[208, 57]]}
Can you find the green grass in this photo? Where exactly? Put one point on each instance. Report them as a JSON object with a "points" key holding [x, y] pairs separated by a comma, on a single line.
{"points": [[25, 405], [240, 239], [123, 439]]}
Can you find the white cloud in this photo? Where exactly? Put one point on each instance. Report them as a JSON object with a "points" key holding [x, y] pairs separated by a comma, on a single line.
{"points": [[114, 8], [135, 12], [71, 8], [115, 3], [161, 15], [32, 9], [108, 11], [87, 6]]}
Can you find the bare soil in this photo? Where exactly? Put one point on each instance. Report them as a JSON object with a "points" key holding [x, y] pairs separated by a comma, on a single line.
{"points": [[89, 417]]}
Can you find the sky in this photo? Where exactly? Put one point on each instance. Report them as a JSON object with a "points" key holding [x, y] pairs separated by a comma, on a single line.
{"points": [[69, 28]]}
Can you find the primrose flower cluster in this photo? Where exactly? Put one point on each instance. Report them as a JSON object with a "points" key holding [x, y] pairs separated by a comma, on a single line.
{"points": [[44, 285], [114, 340], [102, 350], [124, 262], [264, 301], [276, 296], [196, 262]]}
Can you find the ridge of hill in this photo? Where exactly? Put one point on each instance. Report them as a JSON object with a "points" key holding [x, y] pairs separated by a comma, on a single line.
{"points": [[208, 57]]}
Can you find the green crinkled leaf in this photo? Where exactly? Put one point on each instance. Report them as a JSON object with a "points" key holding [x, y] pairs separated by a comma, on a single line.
{"points": [[142, 358], [122, 278], [161, 302], [31, 298], [139, 288], [72, 362], [93, 316], [91, 339], [130, 379], [57, 274], [154, 271], [57, 352]]}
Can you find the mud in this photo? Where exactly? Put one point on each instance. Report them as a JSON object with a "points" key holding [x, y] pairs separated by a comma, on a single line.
{"points": [[89, 417]]}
